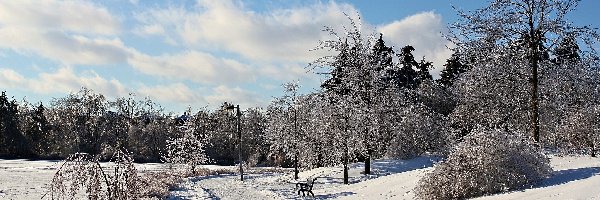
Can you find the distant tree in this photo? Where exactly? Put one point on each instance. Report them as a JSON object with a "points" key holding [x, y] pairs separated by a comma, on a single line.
{"points": [[492, 93], [418, 130], [452, 69], [37, 129], [188, 146], [12, 142], [78, 116], [256, 144], [222, 143], [350, 88], [149, 129]]}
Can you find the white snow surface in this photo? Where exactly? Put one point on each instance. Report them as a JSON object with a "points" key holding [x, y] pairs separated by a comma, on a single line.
{"points": [[575, 177]]}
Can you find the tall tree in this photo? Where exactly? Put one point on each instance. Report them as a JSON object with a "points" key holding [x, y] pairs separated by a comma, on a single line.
{"points": [[530, 24], [283, 127], [349, 85]]}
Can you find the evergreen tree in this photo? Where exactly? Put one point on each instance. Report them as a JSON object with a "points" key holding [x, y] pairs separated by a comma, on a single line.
{"points": [[452, 69], [38, 131], [12, 142]]}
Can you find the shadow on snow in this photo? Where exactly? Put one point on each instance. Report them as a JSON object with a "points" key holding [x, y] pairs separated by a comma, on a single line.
{"points": [[569, 175]]}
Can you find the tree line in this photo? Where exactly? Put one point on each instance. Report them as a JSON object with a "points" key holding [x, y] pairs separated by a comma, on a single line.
{"points": [[87, 122]]}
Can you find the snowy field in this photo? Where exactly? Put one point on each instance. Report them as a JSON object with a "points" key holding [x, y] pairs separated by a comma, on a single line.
{"points": [[574, 178]]}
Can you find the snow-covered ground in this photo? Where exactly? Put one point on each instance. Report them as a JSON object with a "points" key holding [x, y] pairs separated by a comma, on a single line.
{"points": [[24, 179], [574, 178]]}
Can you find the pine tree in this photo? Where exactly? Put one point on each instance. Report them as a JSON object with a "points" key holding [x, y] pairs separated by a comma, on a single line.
{"points": [[38, 131], [452, 69], [12, 142]]}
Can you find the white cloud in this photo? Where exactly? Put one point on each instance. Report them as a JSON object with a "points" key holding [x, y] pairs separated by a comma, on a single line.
{"points": [[64, 80], [183, 95], [176, 92], [423, 31], [10, 78], [70, 32], [234, 95], [279, 35], [284, 36], [148, 30], [52, 15], [67, 49], [195, 66], [134, 2]]}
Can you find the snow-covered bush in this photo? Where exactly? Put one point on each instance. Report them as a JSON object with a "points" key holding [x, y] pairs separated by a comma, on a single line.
{"points": [[581, 130], [487, 161], [83, 173]]}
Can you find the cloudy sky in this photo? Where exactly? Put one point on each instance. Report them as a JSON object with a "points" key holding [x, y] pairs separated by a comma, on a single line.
{"points": [[200, 53]]}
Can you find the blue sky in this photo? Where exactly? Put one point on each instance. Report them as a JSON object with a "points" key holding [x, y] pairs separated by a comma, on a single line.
{"points": [[200, 53]]}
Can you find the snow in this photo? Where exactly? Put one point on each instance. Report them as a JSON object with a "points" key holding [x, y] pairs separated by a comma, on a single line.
{"points": [[26, 179], [575, 177], [389, 179]]}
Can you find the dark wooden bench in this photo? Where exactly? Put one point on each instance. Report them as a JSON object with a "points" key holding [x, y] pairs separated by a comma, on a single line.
{"points": [[306, 187]]}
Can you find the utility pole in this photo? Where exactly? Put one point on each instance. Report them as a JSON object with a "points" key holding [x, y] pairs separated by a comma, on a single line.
{"points": [[238, 115]]}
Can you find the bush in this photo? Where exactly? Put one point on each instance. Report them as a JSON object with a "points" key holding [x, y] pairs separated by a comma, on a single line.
{"points": [[581, 130], [486, 162], [81, 175]]}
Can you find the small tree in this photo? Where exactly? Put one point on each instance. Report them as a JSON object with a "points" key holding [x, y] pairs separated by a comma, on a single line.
{"points": [[488, 161], [187, 149]]}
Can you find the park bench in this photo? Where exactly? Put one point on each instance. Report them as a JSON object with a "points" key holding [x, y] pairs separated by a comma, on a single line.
{"points": [[306, 187]]}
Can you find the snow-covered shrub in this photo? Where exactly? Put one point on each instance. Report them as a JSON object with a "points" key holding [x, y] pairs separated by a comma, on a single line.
{"points": [[82, 172], [581, 130], [487, 161]]}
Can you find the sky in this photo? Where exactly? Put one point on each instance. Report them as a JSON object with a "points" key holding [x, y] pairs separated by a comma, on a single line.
{"points": [[184, 53]]}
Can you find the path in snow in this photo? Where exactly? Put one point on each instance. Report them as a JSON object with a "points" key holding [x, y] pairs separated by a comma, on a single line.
{"points": [[255, 186]]}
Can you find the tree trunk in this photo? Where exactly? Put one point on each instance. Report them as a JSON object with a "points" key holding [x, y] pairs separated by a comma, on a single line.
{"points": [[368, 163], [534, 56], [535, 122], [296, 166], [346, 170], [592, 150]]}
